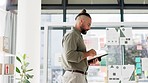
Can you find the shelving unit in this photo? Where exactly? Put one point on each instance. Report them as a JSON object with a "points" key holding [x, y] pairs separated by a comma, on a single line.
{"points": [[6, 64], [6, 68]]}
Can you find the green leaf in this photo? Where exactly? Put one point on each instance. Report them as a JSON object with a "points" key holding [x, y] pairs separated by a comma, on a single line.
{"points": [[17, 70], [29, 76], [24, 71], [26, 64], [26, 81], [19, 82], [22, 67], [18, 59], [24, 56], [29, 70]]}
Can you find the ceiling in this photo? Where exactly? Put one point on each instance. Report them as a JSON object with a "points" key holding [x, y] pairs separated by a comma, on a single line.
{"points": [[89, 1], [117, 5]]}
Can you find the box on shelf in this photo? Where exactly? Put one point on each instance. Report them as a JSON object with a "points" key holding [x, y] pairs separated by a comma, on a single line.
{"points": [[6, 44], [9, 69]]}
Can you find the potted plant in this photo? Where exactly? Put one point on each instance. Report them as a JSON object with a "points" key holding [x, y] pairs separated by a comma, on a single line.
{"points": [[23, 70]]}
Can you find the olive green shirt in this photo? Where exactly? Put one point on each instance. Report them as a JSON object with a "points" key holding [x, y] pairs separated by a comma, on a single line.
{"points": [[73, 48]]}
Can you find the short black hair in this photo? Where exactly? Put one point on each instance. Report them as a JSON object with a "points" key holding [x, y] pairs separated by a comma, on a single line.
{"points": [[83, 12]]}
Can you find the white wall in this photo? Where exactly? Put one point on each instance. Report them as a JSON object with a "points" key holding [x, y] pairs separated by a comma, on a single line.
{"points": [[2, 29], [28, 34], [2, 16], [2, 21]]}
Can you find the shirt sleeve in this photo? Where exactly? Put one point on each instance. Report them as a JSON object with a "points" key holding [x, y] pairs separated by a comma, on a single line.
{"points": [[70, 47]]}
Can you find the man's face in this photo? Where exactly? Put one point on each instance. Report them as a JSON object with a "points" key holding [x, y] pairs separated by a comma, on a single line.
{"points": [[83, 31], [85, 26]]}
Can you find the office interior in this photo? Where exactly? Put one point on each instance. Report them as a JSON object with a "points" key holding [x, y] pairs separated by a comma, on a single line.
{"points": [[36, 28]]}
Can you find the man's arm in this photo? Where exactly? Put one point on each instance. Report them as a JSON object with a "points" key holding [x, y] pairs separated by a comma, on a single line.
{"points": [[70, 49], [91, 52]]}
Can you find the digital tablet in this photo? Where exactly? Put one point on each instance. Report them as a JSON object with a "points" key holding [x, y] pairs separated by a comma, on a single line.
{"points": [[96, 57]]}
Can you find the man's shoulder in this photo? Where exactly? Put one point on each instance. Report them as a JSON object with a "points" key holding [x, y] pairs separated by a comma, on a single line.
{"points": [[71, 33]]}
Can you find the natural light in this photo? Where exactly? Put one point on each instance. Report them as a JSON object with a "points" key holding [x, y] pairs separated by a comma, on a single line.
{"points": [[2, 2]]}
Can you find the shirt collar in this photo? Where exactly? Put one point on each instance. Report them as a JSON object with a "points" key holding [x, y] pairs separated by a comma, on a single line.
{"points": [[76, 30]]}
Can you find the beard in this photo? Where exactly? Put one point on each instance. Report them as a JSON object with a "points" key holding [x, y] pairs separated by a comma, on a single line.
{"points": [[83, 31]]}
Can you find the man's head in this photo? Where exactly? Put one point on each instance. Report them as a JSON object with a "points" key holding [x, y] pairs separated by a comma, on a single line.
{"points": [[83, 21]]}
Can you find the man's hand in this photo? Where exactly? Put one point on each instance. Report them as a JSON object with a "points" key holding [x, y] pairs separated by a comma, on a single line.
{"points": [[94, 62], [91, 52]]}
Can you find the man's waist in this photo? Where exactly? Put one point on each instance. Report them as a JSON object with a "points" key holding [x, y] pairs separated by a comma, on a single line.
{"points": [[78, 71]]}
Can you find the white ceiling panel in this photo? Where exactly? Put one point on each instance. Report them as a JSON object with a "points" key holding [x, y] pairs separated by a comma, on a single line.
{"points": [[51, 1], [78, 11], [89, 1], [136, 1], [92, 2], [127, 11], [146, 1], [52, 11], [95, 11], [79, 1]]}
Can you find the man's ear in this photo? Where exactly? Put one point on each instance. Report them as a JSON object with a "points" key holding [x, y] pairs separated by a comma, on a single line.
{"points": [[82, 21]]}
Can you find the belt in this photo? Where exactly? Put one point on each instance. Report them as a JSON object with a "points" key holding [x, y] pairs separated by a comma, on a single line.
{"points": [[82, 72]]}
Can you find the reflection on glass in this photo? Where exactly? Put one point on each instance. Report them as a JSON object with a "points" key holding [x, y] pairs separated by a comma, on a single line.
{"points": [[55, 49], [136, 52], [97, 39]]}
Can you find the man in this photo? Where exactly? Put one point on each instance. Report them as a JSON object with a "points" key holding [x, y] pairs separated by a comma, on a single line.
{"points": [[74, 58]]}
